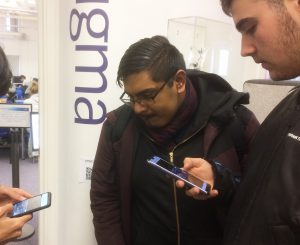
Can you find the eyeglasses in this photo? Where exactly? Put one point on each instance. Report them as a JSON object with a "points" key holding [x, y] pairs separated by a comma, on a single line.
{"points": [[145, 99]]}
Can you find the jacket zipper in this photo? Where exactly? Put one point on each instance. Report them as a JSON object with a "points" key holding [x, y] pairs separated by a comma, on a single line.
{"points": [[171, 156]]}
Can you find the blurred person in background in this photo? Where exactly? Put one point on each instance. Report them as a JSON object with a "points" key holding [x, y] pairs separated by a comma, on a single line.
{"points": [[34, 101], [10, 228], [34, 96]]}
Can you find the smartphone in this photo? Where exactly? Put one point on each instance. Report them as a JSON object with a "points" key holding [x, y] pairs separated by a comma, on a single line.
{"points": [[178, 173], [31, 204]]}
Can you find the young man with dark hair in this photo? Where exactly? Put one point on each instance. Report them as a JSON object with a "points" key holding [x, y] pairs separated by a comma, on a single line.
{"points": [[266, 206], [173, 113]]}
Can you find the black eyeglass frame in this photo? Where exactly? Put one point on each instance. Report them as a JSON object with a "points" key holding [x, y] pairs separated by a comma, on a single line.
{"points": [[144, 101]]}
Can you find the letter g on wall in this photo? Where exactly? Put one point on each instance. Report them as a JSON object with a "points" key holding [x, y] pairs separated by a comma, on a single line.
{"points": [[81, 17]]}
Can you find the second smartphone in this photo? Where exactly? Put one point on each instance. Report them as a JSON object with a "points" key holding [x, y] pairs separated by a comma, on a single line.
{"points": [[31, 204]]}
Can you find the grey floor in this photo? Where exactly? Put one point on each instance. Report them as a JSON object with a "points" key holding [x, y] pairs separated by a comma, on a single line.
{"points": [[28, 181]]}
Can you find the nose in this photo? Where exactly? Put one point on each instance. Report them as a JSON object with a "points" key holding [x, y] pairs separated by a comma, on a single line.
{"points": [[138, 108], [247, 47]]}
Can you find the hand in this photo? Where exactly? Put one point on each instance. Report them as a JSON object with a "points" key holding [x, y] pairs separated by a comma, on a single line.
{"points": [[202, 170], [11, 228], [11, 195]]}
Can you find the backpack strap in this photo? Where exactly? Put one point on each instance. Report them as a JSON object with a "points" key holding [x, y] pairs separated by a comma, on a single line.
{"points": [[237, 129], [123, 116]]}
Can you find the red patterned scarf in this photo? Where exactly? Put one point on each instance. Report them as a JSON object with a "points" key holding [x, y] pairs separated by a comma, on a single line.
{"points": [[166, 136]]}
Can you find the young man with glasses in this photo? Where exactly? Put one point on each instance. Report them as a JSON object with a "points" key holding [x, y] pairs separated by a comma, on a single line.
{"points": [[173, 113]]}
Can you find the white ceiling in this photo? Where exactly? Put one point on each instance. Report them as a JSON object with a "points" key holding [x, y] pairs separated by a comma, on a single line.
{"points": [[18, 7]]}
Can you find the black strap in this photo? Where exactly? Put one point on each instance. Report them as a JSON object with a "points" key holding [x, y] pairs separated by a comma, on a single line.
{"points": [[237, 130], [123, 115]]}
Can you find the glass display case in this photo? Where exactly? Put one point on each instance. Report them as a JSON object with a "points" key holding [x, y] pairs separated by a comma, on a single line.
{"points": [[212, 46]]}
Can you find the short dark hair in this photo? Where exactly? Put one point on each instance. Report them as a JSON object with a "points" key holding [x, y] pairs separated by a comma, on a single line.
{"points": [[5, 73], [226, 5], [155, 55]]}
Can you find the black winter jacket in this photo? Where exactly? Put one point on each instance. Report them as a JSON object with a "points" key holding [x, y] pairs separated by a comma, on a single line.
{"points": [[266, 208]]}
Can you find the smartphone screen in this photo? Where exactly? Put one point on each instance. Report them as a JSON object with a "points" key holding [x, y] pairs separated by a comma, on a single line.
{"points": [[31, 204], [178, 173]]}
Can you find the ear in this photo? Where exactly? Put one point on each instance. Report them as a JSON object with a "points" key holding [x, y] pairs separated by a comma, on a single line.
{"points": [[293, 7], [180, 81]]}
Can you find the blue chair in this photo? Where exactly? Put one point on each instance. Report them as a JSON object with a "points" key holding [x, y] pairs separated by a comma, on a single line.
{"points": [[19, 93]]}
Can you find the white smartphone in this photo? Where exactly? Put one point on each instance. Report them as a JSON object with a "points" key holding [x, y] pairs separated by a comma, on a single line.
{"points": [[178, 173], [31, 205]]}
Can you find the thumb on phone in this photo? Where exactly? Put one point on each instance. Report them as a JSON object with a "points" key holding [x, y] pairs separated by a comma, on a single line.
{"points": [[25, 218]]}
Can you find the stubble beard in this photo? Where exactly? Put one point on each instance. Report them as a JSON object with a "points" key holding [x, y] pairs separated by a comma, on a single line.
{"points": [[289, 40]]}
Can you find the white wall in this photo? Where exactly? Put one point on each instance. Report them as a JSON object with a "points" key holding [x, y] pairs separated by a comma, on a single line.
{"points": [[64, 142], [25, 48]]}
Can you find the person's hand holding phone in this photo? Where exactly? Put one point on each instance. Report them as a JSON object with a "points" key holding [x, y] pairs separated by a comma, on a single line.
{"points": [[31, 205], [203, 170], [12, 195], [11, 228], [190, 180]]}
